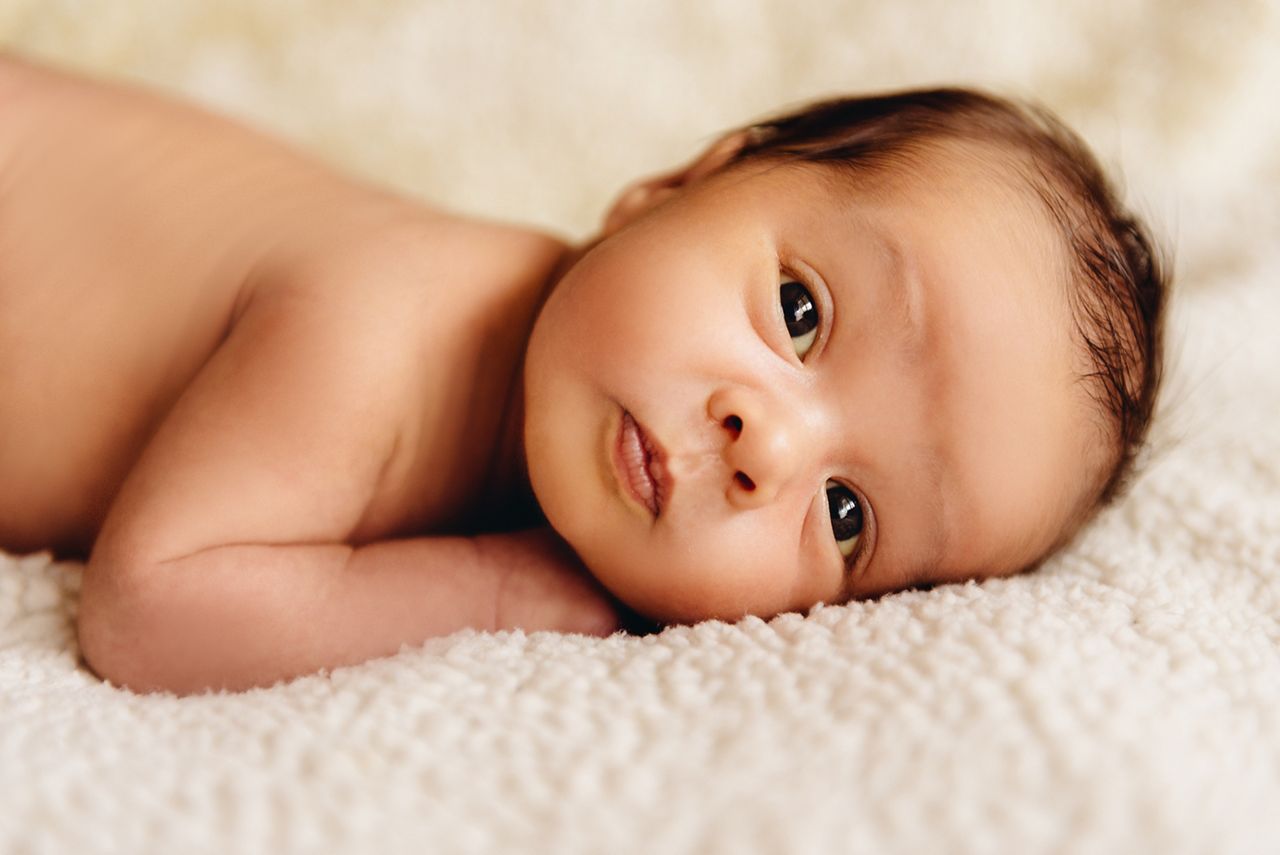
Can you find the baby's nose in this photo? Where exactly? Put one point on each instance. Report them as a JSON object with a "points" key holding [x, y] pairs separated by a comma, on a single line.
{"points": [[762, 449]]}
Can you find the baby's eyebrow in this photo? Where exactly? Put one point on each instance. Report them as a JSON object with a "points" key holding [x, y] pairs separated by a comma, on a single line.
{"points": [[905, 291], [902, 293]]}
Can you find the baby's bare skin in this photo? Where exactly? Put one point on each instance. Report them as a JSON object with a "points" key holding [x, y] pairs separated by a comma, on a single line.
{"points": [[286, 411], [226, 363]]}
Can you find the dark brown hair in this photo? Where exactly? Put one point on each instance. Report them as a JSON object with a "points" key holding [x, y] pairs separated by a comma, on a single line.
{"points": [[1120, 283]]}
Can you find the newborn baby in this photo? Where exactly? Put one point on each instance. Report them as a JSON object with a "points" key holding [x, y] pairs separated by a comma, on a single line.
{"points": [[294, 421]]}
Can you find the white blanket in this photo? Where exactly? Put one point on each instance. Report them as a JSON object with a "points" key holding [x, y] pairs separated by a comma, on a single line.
{"points": [[1126, 698]]}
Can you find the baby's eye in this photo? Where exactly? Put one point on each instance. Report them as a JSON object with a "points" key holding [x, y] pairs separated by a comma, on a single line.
{"points": [[801, 314], [846, 516]]}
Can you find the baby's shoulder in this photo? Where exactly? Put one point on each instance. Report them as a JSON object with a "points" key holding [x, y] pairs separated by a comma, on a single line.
{"points": [[434, 313], [422, 276], [418, 252], [357, 393]]}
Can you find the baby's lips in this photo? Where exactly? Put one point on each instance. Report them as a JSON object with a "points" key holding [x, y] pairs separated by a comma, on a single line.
{"points": [[662, 481]]}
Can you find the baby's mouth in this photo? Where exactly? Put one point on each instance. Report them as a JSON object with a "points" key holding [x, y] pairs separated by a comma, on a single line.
{"points": [[639, 461]]}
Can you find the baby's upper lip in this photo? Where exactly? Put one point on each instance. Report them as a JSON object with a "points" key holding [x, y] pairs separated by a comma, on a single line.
{"points": [[656, 464]]}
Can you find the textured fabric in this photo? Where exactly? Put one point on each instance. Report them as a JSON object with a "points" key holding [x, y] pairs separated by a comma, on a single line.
{"points": [[1126, 698]]}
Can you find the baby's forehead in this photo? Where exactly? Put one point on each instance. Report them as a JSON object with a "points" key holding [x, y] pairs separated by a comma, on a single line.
{"points": [[940, 171], [985, 191]]}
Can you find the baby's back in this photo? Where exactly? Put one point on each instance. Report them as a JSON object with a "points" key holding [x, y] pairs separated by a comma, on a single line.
{"points": [[133, 233]]}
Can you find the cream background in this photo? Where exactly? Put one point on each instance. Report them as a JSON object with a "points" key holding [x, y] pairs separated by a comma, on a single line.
{"points": [[1126, 698]]}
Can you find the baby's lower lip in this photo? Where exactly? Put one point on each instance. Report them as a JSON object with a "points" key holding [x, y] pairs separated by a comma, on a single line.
{"points": [[632, 464]]}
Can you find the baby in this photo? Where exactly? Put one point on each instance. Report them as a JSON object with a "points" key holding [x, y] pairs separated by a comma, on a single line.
{"points": [[294, 421]]}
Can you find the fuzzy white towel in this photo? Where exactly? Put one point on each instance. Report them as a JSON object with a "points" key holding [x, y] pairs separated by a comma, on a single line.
{"points": [[1124, 699]]}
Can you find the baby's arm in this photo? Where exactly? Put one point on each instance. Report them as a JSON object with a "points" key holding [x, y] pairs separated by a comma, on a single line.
{"points": [[223, 561], [245, 615]]}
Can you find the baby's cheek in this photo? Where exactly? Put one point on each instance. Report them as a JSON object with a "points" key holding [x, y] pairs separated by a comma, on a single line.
{"points": [[687, 586]]}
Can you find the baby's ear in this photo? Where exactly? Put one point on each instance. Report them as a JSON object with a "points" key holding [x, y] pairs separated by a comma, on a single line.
{"points": [[640, 196]]}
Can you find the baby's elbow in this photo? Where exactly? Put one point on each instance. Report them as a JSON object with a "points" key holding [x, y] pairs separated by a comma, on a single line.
{"points": [[116, 634], [108, 652]]}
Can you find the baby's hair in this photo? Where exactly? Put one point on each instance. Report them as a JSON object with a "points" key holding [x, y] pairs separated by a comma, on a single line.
{"points": [[1121, 283]]}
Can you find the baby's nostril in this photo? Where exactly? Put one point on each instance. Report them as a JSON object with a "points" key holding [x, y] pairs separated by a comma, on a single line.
{"points": [[734, 424], [747, 483]]}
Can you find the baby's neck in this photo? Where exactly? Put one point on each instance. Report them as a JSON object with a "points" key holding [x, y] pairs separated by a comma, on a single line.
{"points": [[507, 501]]}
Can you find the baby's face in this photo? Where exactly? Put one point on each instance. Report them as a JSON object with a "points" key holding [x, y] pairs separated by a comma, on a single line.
{"points": [[917, 421]]}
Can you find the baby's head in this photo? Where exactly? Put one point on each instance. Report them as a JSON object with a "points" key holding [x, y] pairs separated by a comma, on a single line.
{"points": [[873, 344]]}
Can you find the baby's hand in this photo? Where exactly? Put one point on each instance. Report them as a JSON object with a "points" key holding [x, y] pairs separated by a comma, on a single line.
{"points": [[546, 587]]}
